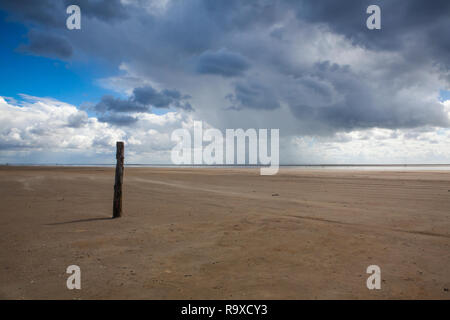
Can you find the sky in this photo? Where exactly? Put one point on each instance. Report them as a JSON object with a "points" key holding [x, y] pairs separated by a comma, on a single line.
{"points": [[139, 69]]}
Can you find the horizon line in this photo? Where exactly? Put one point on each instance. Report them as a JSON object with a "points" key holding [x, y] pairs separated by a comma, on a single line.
{"points": [[228, 165]]}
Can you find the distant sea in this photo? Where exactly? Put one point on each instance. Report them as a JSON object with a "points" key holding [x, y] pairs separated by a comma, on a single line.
{"points": [[371, 167]]}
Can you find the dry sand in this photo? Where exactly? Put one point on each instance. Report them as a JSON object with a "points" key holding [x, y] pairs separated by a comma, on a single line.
{"points": [[224, 234]]}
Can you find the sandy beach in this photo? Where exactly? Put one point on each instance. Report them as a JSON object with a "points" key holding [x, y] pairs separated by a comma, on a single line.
{"points": [[224, 233]]}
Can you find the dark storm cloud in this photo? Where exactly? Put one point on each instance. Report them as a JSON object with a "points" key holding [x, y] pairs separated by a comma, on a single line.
{"points": [[141, 101], [46, 44], [242, 15], [52, 13], [176, 46], [109, 103], [106, 10], [46, 17], [118, 120], [358, 106], [253, 95], [149, 96], [43, 12], [161, 99], [417, 25], [221, 62]]}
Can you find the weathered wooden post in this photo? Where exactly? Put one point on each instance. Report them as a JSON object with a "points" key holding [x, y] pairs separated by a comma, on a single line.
{"points": [[117, 203]]}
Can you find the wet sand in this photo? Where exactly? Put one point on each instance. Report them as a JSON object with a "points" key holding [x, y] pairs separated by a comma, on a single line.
{"points": [[224, 233]]}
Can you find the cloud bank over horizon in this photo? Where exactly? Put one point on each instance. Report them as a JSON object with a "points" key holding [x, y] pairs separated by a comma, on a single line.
{"points": [[56, 132], [338, 92]]}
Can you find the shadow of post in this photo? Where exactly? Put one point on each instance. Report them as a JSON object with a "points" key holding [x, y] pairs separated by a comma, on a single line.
{"points": [[77, 221]]}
